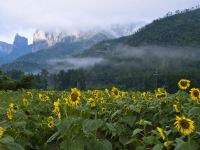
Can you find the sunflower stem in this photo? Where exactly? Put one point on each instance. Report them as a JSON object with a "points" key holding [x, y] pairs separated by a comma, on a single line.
{"points": [[95, 115], [189, 139]]}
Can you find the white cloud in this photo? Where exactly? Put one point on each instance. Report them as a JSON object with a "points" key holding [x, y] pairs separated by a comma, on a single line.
{"points": [[25, 15]]}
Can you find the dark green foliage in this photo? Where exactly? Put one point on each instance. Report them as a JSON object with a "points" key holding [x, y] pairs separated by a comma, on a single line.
{"points": [[27, 82], [180, 30], [66, 80], [15, 80]]}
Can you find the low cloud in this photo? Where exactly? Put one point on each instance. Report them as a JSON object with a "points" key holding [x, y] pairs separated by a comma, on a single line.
{"points": [[73, 63], [18, 15]]}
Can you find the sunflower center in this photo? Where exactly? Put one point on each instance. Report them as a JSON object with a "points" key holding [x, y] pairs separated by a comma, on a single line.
{"points": [[115, 92], [184, 83], [184, 124], [15, 107], [196, 93], [74, 96]]}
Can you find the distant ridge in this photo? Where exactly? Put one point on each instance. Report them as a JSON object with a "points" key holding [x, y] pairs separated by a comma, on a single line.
{"points": [[181, 29]]}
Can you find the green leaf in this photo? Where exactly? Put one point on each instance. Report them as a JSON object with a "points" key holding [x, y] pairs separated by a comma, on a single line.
{"points": [[15, 146], [132, 107], [20, 124], [130, 120], [187, 146], [99, 145], [140, 148], [194, 111], [147, 123], [28, 133], [53, 137], [124, 140], [91, 125], [73, 145], [168, 132], [158, 146], [111, 128], [67, 123], [149, 139], [116, 113], [7, 140], [136, 131], [10, 144]]}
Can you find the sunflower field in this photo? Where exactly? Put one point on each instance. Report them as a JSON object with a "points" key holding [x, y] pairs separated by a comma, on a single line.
{"points": [[100, 119]]}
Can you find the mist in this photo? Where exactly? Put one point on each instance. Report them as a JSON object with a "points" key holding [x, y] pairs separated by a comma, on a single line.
{"points": [[189, 53], [73, 63], [124, 56]]}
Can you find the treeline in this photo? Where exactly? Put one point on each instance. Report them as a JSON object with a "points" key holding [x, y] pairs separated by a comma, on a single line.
{"points": [[99, 77], [14, 80]]}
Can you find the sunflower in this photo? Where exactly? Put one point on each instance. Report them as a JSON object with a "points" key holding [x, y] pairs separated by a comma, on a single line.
{"points": [[176, 108], [126, 108], [184, 125], [107, 92], [13, 107], [9, 114], [115, 92], [167, 144], [43, 98], [161, 132], [51, 124], [96, 93], [195, 93], [75, 97], [50, 118], [184, 84], [50, 121], [160, 93], [56, 103], [57, 108], [30, 94], [25, 102], [1, 131], [91, 103]]}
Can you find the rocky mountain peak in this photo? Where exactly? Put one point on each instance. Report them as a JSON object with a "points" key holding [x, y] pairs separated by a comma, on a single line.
{"points": [[43, 39], [20, 41]]}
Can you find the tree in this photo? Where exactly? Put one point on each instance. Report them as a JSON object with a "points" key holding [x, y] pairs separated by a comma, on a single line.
{"points": [[44, 75], [27, 82]]}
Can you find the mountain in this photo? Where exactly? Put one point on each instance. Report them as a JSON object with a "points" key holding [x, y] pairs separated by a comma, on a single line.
{"points": [[20, 46], [5, 48], [178, 30], [10, 52], [50, 49], [160, 53], [34, 62], [46, 39], [165, 50], [182, 29]]}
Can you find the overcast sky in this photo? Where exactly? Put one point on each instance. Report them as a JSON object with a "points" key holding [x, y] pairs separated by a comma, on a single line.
{"points": [[24, 16]]}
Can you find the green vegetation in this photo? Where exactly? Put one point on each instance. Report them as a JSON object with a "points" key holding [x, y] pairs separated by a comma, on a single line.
{"points": [[100, 119], [181, 29], [15, 80]]}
